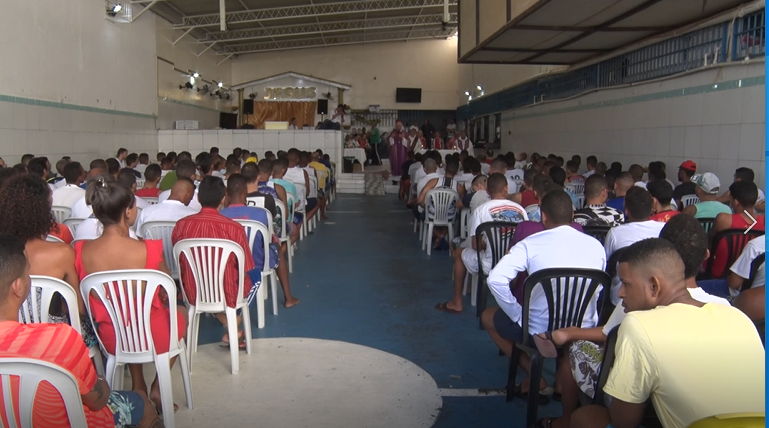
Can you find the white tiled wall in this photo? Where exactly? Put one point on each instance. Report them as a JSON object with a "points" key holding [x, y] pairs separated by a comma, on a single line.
{"points": [[255, 140], [720, 130], [56, 132], [169, 112]]}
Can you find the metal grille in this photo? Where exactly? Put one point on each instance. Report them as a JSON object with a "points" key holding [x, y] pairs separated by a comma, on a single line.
{"points": [[327, 27], [436, 33], [749, 34], [309, 11], [686, 52]]}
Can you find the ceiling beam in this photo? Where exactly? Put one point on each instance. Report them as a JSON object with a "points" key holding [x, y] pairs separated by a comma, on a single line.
{"points": [[305, 11], [325, 28], [528, 50], [314, 42], [592, 29]]}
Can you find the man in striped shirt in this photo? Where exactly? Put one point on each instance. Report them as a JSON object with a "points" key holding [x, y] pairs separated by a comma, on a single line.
{"points": [[63, 346], [209, 223]]}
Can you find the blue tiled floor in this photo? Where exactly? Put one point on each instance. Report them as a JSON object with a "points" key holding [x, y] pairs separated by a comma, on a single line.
{"points": [[362, 278]]}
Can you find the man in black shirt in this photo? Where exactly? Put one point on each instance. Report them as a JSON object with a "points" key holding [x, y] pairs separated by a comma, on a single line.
{"points": [[428, 130], [685, 173]]}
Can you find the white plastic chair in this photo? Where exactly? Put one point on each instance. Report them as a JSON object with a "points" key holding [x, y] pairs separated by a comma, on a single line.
{"points": [[690, 200], [531, 209], [442, 200], [150, 200], [72, 223], [580, 201], [75, 241], [31, 373], [162, 230], [140, 182], [284, 238], [252, 228], [32, 311], [576, 188], [127, 296], [464, 219], [207, 259], [51, 238], [60, 213]]}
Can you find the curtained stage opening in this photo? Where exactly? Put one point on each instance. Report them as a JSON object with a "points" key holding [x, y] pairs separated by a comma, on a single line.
{"points": [[282, 111]]}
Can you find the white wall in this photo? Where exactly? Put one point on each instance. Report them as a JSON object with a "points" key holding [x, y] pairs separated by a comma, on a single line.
{"points": [[174, 63], [719, 127], [373, 71], [74, 83]]}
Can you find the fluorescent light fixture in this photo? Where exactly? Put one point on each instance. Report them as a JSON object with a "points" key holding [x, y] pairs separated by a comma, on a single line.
{"points": [[117, 8], [196, 74], [479, 87], [220, 84], [467, 93]]}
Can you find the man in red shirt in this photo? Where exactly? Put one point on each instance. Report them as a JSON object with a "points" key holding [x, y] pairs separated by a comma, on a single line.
{"points": [[63, 346], [208, 223]]}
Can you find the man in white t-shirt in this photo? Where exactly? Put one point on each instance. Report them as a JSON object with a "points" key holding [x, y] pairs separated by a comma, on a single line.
{"points": [[584, 345], [298, 177], [172, 209], [499, 208], [184, 169], [591, 162], [558, 246], [122, 154], [638, 209], [66, 196], [500, 166], [144, 161], [668, 345]]}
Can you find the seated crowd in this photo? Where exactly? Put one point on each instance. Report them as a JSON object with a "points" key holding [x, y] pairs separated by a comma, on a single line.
{"points": [[106, 209], [687, 294]]}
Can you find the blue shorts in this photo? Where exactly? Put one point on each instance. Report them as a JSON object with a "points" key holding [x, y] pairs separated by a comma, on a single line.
{"points": [[311, 204], [127, 407], [508, 329], [298, 219]]}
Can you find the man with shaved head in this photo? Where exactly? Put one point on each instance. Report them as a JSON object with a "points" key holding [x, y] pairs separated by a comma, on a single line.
{"points": [[622, 184], [172, 209], [500, 166], [675, 350]]}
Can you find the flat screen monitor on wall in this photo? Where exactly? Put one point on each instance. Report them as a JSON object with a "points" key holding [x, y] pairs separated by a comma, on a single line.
{"points": [[408, 95]]}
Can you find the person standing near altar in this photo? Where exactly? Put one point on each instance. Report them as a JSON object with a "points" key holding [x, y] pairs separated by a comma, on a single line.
{"points": [[399, 144], [463, 142], [437, 141], [414, 143]]}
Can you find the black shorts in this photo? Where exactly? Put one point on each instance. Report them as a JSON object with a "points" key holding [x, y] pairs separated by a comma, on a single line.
{"points": [[311, 204]]}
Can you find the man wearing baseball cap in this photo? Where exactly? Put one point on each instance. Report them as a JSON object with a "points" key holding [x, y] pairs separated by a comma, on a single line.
{"points": [[706, 188], [685, 173]]}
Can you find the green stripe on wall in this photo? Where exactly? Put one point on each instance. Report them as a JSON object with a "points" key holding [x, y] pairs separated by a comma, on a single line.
{"points": [[66, 106], [683, 92]]}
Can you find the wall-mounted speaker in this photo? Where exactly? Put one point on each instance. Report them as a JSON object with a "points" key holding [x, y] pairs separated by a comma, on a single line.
{"points": [[322, 106], [248, 107]]}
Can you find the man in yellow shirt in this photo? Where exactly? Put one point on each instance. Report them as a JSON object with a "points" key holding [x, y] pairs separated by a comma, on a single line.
{"points": [[693, 360], [322, 173]]}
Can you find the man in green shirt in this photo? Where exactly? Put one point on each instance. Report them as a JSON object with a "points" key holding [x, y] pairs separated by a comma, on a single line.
{"points": [[374, 139]]}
